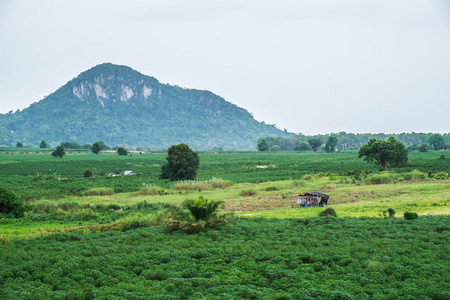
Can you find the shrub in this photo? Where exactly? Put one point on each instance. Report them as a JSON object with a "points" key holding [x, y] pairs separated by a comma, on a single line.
{"points": [[9, 204], [391, 212], [271, 188], [441, 175], [410, 215], [328, 212], [248, 192], [87, 173], [102, 191], [307, 177]]}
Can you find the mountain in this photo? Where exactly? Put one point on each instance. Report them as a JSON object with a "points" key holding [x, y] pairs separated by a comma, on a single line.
{"points": [[121, 106]]}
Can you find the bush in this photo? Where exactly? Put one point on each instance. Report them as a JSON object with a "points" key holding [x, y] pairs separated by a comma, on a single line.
{"points": [[271, 188], [248, 192], [87, 173], [328, 212], [410, 215], [9, 204], [441, 175], [391, 212]]}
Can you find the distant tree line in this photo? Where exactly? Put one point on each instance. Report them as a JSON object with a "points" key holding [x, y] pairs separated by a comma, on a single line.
{"points": [[351, 141]]}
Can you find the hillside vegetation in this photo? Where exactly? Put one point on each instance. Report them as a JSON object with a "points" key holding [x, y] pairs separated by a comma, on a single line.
{"points": [[121, 106]]}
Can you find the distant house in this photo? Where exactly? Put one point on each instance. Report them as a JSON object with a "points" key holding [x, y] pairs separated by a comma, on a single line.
{"points": [[129, 172], [312, 199]]}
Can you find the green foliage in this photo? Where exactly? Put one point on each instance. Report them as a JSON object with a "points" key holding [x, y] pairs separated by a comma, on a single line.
{"points": [[441, 175], [19, 145], [87, 173], [71, 145], [436, 141], [9, 205], [422, 147], [391, 212], [202, 214], [315, 258], [315, 143], [442, 156], [95, 148], [122, 151], [182, 163], [328, 212], [166, 116], [60, 151], [331, 144], [303, 146], [383, 152], [43, 144], [274, 148], [410, 215], [263, 146]]}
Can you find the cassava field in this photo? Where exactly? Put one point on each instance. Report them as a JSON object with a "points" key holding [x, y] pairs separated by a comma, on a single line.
{"points": [[103, 237]]}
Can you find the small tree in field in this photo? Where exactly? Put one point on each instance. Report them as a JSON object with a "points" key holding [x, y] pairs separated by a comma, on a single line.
{"points": [[182, 163], [383, 152], [43, 144], [60, 151], [315, 143], [19, 145], [96, 148], [422, 147], [331, 144], [122, 151]]}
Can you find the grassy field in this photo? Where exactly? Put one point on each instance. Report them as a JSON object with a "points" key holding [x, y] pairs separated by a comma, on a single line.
{"points": [[99, 238]]}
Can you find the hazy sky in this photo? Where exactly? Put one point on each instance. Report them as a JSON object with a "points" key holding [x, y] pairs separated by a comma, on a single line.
{"points": [[310, 66]]}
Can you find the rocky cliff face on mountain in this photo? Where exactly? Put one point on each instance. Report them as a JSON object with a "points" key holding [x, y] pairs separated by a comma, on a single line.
{"points": [[123, 107]]}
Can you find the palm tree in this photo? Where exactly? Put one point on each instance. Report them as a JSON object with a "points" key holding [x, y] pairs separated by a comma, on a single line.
{"points": [[201, 214]]}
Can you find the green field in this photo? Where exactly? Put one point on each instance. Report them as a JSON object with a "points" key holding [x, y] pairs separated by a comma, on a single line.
{"points": [[99, 238]]}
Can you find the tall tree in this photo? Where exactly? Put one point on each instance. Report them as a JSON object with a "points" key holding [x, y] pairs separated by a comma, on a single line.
{"points": [[315, 143], [43, 144], [331, 143], [19, 145], [182, 163], [383, 152], [263, 146]]}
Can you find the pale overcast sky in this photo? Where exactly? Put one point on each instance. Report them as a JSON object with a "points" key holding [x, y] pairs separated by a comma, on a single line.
{"points": [[310, 66]]}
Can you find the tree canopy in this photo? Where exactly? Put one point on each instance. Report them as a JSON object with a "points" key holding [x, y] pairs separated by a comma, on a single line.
{"points": [[315, 143], [182, 163], [43, 144], [383, 152], [436, 141], [331, 143], [263, 146], [60, 151]]}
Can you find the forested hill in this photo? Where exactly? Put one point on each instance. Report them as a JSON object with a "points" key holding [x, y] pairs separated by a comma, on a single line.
{"points": [[123, 107]]}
